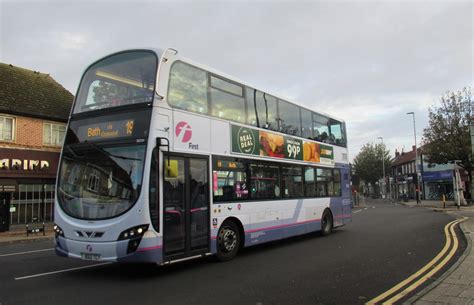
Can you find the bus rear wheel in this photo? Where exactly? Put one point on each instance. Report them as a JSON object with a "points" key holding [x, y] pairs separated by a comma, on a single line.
{"points": [[326, 223], [228, 241]]}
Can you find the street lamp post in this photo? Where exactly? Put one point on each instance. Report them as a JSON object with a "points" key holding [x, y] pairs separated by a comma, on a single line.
{"points": [[383, 167], [417, 192]]}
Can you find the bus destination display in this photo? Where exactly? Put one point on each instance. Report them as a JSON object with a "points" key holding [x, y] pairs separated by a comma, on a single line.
{"points": [[107, 130]]}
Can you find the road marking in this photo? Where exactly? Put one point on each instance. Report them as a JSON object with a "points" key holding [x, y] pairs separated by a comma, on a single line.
{"points": [[60, 271], [26, 252], [449, 228], [361, 210], [425, 277]]}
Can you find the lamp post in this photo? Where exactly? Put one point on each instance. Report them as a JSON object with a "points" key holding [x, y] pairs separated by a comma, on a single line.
{"points": [[383, 167], [417, 192]]}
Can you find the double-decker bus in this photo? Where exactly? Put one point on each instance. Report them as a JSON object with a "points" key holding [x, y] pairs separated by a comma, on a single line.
{"points": [[165, 159]]}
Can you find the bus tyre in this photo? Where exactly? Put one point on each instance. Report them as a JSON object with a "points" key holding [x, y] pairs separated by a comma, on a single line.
{"points": [[326, 223], [228, 241]]}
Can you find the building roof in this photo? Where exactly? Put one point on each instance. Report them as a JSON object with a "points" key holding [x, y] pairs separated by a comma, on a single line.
{"points": [[33, 94], [404, 157]]}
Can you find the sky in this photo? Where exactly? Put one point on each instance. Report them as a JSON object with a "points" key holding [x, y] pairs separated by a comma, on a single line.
{"points": [[367, 62]]}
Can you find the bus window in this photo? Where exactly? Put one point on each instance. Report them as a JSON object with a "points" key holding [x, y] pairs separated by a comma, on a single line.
{"points": [[266, 110], [324, 182], [251, 101], [309, 183], [188, 88], [289, 118], [306, 124], [337, 182], [320, 128], [337, 133], [292, 181], [227, 101], [121, 79], [265, 180]]}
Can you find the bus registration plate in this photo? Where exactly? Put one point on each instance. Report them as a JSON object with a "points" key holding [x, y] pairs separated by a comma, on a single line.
{"points": [[90, 256]]}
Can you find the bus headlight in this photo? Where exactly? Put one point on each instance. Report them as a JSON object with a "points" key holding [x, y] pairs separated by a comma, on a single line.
{"points": [[58, 231], [134, 232]]}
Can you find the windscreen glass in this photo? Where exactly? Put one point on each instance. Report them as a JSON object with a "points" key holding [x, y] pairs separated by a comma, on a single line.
{"points": [[100, 181], [122, 79]]}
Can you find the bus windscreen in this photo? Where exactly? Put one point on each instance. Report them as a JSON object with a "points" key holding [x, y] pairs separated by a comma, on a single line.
{"points": [[121, 79]]}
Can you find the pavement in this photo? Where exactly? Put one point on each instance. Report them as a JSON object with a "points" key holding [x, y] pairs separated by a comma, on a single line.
{"points": [[456, 286], [17, 233]]}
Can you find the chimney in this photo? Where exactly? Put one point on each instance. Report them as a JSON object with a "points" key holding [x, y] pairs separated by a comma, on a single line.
{"points": [[397, 154], [413, 148]]}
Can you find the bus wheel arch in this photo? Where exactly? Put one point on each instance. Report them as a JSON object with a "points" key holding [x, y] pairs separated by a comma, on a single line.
{"points": [[327, 222], [230, 239]]}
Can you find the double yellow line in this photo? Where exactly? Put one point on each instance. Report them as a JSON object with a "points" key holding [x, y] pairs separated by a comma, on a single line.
{"points": [[415, 280]]}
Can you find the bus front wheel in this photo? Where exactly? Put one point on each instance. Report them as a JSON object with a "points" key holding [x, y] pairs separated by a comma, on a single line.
{"points": [[228, 241], [326, 223]]}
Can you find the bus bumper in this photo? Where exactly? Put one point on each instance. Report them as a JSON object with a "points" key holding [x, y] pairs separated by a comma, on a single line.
{"points": [[115, 251]]}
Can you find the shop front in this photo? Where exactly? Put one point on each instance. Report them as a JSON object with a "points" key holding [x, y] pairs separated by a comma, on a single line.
{"points": [[438, 183], [27, 183]]}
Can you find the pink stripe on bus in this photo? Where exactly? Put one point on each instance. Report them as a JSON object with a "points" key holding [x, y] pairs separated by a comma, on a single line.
{"points": [[149, 248]]}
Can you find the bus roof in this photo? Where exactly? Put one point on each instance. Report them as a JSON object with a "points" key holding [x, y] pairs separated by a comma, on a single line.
{"points": [[234, 79]]}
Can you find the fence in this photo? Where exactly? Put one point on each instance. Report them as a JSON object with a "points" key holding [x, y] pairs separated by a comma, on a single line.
{"points": [[32, 202]]}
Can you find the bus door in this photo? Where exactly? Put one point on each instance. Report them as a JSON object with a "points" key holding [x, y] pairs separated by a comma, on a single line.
{"points": [[185, 206]]}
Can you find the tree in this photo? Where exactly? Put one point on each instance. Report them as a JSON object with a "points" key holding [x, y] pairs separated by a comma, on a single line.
{"points": [[368, 163], [447, 138]]}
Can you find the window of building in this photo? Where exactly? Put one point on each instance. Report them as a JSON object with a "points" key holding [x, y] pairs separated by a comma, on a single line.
{"points": [[289, 118], [7, 125], [188, 88], [292, 181], [227, 101], [53, 134], [93, 181]]}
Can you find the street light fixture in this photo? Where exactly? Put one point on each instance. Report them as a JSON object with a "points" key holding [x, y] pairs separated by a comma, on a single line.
{"points": [[417, 192], [383, 167]]}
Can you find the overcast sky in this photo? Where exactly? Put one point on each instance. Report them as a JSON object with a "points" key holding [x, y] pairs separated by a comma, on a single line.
{"points": [[368, 62]]}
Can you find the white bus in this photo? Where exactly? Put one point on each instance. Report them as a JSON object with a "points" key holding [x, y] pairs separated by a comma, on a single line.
{"points": [[166, 159]]}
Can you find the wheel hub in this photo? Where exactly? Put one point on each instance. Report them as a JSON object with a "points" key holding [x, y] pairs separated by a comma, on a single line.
{"points": [[228, 240]]}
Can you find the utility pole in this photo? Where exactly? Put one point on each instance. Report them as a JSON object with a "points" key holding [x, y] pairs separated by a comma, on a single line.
{"points": [[417, 191], [383, 168]]}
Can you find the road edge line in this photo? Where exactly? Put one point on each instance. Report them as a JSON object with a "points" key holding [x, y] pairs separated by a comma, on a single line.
{"points": [[452, 252], [412, 277], [448, 272]]}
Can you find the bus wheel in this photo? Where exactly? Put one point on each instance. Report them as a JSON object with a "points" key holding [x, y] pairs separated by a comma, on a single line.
{"points": [[228, 241], [326, 223]]}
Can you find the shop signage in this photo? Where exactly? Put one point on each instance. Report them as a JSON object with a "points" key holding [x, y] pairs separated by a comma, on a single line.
{"points": [[15, 163], [26, 165], [446, 175], [250, 141]]}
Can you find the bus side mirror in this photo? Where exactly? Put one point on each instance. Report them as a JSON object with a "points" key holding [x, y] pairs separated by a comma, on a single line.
{"points": [[171, 169]]}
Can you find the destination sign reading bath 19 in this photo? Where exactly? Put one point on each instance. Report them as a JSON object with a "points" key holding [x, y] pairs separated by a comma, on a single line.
{"points": [[263, 143], [114, 129]]}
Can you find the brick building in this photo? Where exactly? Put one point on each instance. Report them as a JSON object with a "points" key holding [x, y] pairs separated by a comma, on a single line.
{"points": [[34, 110]]}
